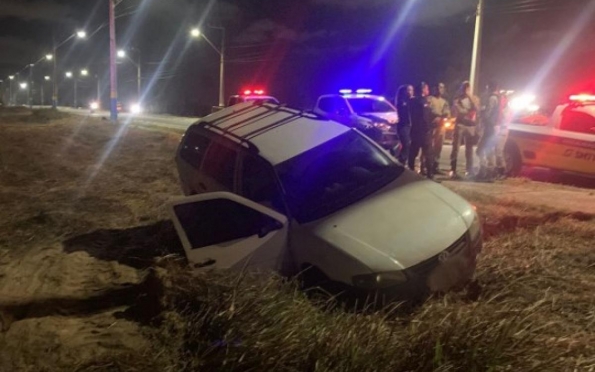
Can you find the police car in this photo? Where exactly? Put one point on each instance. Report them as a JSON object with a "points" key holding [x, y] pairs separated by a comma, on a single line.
{"points": [[565, 142], [249, 95], [372, 114]]}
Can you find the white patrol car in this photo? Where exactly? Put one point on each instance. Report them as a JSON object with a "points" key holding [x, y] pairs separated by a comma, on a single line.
{"points": [[255, 96], [565, 142], [372, 114], [274, 188]]}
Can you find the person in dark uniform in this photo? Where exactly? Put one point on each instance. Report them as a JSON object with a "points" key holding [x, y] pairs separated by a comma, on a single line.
{"points": [[403, 104], [421, 132]]}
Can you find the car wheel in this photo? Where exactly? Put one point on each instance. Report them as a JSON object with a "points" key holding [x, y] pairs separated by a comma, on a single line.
{"points": [[512, 159]]}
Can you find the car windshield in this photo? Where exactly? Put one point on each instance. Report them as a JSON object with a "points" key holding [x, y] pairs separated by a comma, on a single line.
{"points": [[334, 175], [370, 105]]}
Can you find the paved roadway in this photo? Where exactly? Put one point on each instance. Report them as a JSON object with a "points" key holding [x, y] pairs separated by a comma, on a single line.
{"points": [[181, 123], [178, 122], [163, 121]]}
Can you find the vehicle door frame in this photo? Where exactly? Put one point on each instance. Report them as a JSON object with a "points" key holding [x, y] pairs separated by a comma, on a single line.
{"points": [[234, 243], [292, 266]]}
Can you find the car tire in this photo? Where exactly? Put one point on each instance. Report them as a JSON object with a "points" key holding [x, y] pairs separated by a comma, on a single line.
{"points": [[513, 159]]}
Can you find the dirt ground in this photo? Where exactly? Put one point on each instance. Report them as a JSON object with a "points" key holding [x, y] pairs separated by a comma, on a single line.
{"points": [[83, 219], [71, 192]]}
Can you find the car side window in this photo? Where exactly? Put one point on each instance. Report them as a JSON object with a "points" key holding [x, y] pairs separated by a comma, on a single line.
{"points": [[220, 165], [194, 147], [575, 121], [217, 221], [259, 183]]}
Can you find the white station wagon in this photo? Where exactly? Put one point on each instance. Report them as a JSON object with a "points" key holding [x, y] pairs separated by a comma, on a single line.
{"points": [[273, 188]]}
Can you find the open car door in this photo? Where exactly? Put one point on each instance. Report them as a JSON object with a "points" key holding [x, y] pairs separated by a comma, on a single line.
{"points": [[226, 231]]}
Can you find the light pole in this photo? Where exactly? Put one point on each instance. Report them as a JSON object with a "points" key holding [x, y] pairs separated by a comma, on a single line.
{"points": [[196, 33], [112, 60], [29, 91], [23, 86], [45, 78], [70, 75], [476, 57], [10, 79], [54, 57], [122, 54]]}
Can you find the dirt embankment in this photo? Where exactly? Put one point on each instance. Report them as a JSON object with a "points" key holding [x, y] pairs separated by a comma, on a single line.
{"points": [[81, 218], [84, 285]]}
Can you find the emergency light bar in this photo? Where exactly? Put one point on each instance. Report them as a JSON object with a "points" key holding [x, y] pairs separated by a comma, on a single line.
{"points": [[345, 91], [258, 92], [582, 98], [364, 91]]}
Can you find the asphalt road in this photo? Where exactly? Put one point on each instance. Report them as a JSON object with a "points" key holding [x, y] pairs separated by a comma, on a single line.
{"points": [[182, 123], [164, 121]]}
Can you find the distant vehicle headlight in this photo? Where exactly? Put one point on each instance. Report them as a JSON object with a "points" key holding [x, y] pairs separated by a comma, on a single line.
{"points": [[94, 105], [136, 108], [382, 280]]}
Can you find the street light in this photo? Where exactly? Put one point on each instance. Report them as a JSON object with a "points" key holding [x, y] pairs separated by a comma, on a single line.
{"points": [[69, 74], [47, 78], [54, 57], [11, 77], [23, 86], [84, 72], [122, 54], [196, 33]]}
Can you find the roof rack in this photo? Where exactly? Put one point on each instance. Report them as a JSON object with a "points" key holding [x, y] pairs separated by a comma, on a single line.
{"points": [[251, 147]]}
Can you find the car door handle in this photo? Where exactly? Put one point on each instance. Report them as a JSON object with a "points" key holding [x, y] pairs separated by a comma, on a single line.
{"points": [[208, 262], [202, 186]]}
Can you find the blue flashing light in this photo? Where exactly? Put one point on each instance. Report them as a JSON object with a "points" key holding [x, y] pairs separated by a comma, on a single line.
{"points": [[346, 91], [364, 91]]}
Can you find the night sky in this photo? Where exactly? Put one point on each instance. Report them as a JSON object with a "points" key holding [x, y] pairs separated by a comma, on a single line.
{"points": [[297, 50]]}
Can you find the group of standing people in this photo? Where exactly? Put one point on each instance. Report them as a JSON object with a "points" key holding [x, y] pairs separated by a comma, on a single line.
{"points": [[422, 128]]}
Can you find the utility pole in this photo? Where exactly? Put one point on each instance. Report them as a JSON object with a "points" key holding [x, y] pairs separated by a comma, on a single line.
{"points": [[222, 70], [476, 57], [113, 67], [55, 76], [30, 90], [75, 91], [138, 78]]}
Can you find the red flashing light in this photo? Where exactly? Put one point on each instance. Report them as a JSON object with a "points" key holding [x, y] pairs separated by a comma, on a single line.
{"points": [[582, 98], [249, 92]]}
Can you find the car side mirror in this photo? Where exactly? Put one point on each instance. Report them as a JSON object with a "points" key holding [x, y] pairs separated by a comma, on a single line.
{"points": [[269, 228]]}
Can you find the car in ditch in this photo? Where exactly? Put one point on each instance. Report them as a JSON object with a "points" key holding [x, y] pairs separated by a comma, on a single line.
{"points": [[273, 188]]}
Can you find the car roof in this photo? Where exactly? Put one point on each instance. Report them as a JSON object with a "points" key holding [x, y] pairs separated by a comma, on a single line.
{"points": [[278, 133]]}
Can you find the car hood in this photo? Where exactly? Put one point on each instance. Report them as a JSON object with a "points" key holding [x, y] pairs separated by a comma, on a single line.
{"points": [[405, 223], [390, 117]]}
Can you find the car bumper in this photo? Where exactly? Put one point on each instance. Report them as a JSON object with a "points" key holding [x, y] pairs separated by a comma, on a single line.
{"points": [[389, 140]]}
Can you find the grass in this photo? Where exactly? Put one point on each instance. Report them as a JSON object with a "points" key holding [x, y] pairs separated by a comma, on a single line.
{"points": [[532, 308]]}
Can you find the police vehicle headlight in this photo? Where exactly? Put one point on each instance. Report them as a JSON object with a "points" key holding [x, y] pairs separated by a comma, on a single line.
{"points": [[384, 127], [382, 280]]}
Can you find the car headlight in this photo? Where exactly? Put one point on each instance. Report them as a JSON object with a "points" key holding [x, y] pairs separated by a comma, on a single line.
{"points": [[382, 126], [382, 280], [475, 229]]}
